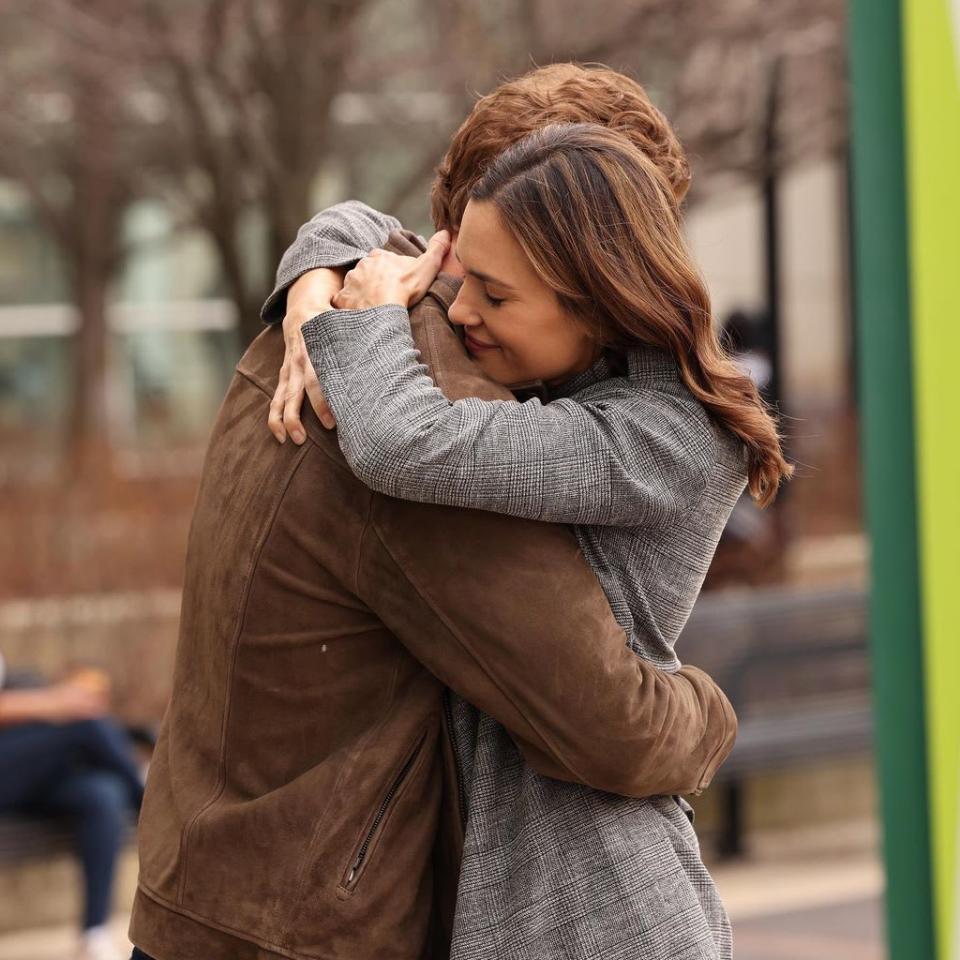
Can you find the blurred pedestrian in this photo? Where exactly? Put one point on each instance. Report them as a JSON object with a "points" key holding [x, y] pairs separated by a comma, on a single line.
{"points": [[61, 755], [747, 334]]}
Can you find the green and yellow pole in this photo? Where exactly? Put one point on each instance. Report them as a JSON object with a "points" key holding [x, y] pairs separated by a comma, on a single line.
{"points": [[905, 72]]}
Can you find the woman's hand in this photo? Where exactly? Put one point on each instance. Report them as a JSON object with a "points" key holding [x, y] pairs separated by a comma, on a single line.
{"points": [[297, 379], [382, 277], [309, 295]]}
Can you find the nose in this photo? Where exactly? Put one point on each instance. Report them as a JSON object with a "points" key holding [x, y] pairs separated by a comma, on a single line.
{"points": [[459, 311]]}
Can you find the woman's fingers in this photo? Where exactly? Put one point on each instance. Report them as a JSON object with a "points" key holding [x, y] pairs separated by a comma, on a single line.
{"points": [[275, 416], [296, 382], [284, 416], [318, 401], [437, 246], [426, 267], [292, 405], [383, 277]]}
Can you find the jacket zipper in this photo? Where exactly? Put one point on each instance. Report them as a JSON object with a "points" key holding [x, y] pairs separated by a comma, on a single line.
{"points": [[448, 710], [381, 812]]}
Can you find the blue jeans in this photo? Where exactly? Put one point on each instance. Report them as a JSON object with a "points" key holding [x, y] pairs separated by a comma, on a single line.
{"points": [[83, 770]]}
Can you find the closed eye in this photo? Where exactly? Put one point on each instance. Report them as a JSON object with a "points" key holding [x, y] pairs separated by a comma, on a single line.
{"points": [[493, 301]]}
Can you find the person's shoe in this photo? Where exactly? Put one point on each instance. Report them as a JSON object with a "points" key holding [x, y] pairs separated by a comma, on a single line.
{"points": [[97, 943]]}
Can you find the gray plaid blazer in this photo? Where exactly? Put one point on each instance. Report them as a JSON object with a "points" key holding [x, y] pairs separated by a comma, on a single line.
{"points": [[647, 481]]}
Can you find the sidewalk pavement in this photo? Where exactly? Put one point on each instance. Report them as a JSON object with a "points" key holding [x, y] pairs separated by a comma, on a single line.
{"points": [[795, 899], [817, 908]]}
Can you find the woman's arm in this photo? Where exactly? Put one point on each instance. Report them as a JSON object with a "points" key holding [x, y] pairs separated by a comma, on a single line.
{"points": [[336, 237], [310, 272], [309, 295], [631, 460]]}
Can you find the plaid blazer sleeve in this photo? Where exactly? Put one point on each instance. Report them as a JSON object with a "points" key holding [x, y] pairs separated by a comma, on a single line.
{"points": [[336, 237], [623, 457]]}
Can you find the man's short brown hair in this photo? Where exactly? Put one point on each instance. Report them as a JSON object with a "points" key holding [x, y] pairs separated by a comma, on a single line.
{"points": [[559, 93]]}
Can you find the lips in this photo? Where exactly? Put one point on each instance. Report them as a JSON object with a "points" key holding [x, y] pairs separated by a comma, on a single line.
{"points": [[477, 344]]}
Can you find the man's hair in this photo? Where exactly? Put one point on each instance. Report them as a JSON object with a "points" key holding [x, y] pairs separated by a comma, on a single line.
{"points": [[559, 93]]}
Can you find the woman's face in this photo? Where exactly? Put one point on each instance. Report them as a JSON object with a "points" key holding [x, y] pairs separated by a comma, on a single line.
{"points": [[514, 325]]}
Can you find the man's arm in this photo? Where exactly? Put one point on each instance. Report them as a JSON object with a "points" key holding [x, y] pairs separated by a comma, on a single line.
{"points": [[508, 613]]}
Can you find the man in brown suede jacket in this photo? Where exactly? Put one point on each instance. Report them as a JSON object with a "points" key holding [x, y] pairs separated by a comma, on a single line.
{"points": [[304, 799]]}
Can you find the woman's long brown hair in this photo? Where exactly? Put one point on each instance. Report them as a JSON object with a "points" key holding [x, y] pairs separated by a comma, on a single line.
{"points": [[601, 226]]}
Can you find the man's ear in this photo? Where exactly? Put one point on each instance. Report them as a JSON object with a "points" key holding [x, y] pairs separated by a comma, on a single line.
{"points": [[450, 263]]}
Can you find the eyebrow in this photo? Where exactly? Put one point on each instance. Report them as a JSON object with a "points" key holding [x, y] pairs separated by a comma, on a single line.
{"points": [[485, 277]]}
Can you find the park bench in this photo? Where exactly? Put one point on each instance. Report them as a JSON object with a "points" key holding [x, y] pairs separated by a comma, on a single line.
{"points": [[28, 838], [36, 889], [795, 665]]}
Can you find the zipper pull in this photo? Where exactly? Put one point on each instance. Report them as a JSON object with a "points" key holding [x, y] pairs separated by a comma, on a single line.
{"points": [[353, 870]]}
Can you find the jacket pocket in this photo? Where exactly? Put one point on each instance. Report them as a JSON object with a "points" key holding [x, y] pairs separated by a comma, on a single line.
{"points": [[358, 862]]}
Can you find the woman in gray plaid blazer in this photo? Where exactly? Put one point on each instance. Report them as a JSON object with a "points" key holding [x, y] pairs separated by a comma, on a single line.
{"points": [[577, 276]]}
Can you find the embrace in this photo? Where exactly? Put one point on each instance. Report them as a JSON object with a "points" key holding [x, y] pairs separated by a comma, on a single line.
{"points": [[426, 700]]}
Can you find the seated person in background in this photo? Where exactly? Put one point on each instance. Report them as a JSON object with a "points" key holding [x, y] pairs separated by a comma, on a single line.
{"points": [[62, 755]]}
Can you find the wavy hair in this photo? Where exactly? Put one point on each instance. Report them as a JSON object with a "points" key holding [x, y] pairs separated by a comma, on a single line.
{"points": [[557, 93], [600, 223]]}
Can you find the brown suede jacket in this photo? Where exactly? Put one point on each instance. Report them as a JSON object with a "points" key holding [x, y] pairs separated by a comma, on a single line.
{"points": [[304, 800]]}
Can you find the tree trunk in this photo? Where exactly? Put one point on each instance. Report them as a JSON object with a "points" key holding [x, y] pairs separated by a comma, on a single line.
{"points": [[89, 422], [92, 243], [226, 238]]}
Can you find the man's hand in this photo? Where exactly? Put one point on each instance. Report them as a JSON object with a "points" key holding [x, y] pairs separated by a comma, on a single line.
{"points": [[61, 703], [310, 295], [382, 277]]}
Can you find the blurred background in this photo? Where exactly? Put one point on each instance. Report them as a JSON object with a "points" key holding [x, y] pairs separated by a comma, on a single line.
{"points": [[156, 158]]}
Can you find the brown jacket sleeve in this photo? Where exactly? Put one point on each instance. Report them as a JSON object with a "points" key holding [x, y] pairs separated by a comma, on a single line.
{"points": [[509, 614]]}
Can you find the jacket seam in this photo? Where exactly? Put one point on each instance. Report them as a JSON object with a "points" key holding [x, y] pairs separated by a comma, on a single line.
{"points": [[252, 565], [455, 633], [264, 388], [363, 538], [179, 909]]}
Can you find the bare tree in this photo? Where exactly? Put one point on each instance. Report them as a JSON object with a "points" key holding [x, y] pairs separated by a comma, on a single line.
{"points": [[68, 142], [709, 66], [249, 88], [230, 109], [762, 87]]}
